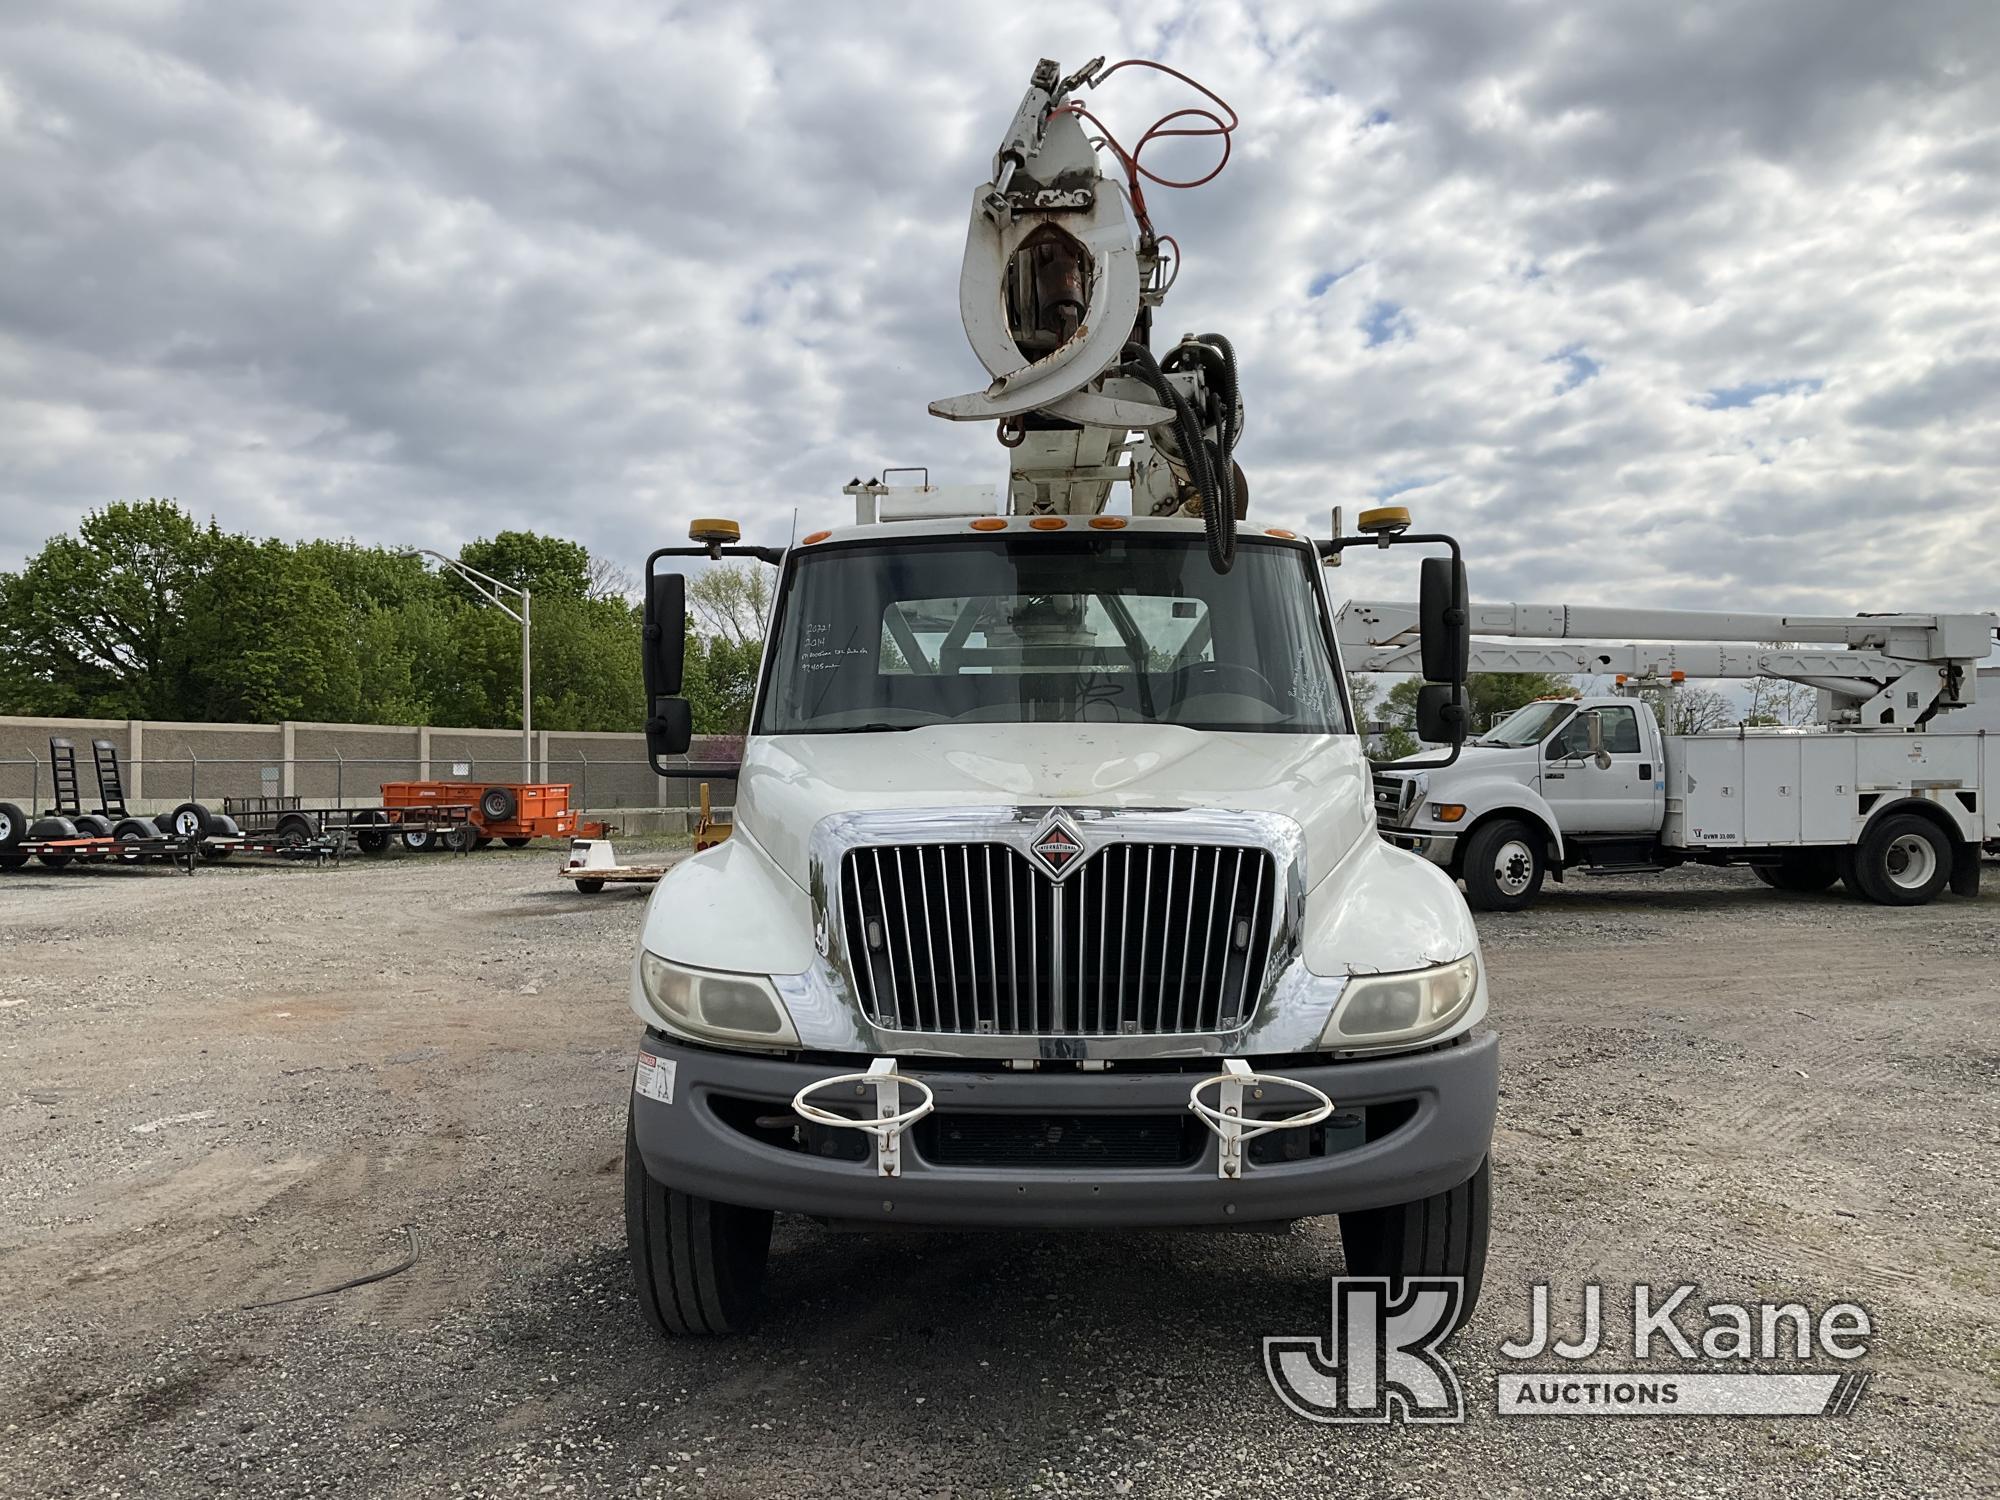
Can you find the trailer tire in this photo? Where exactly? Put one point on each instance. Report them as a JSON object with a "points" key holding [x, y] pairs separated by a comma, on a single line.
{"points": [[1804, 872], [1505, 862], [133, 831], [481, 840], [460, 839], [375, 840], [1902, 860], [418, 840], [589, 887], [699, 1264], [516, 842], [93, 826], [47, 830], [1442, 1235], [188, 821], [13, 828], [497, 804], [293, 829]]}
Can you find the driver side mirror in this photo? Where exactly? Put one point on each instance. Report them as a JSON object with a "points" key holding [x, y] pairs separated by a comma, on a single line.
{"points": [[1593, 726], [663, 659]]}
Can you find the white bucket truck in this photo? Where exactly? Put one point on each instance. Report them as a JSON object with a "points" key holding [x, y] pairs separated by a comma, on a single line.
{"points": [[1884, 795], [1055, 896]]}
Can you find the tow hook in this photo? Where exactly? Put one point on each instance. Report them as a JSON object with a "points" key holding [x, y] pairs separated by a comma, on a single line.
{"points": [[890, 1119], [1225, 1116]]}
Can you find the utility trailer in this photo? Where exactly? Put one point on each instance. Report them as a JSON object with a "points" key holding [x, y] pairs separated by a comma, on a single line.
{"points": [[379, 830], [1885, 797], [511, 811], [593, 864]]}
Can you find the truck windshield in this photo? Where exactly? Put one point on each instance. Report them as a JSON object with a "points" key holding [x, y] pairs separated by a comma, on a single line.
{"points": [[1528, 725], [1102, 628]]}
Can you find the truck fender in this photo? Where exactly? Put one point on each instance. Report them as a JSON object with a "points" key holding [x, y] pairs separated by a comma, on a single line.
{"points": [[1957, 826], [1485, 799]]}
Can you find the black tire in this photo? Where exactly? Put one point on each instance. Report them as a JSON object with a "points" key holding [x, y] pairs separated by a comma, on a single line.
{"points": [[515, 843], [699, 1264], [589, 887], [1802, 871], [481, 840], [133, 831], [1505, 863], [48, 830], [188, 821], [93, 826], [497, 804], [371, 832], [460, 839], [1902, 860], [1442, 1235], [418, 840], [293, 829], [13, 825]]}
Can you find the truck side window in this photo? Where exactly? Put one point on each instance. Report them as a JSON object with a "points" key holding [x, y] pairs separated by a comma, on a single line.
{"points": [[1621, 730]]}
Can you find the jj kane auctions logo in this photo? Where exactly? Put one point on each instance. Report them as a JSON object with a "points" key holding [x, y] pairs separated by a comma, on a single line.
{"points": [[1382, 1360]]}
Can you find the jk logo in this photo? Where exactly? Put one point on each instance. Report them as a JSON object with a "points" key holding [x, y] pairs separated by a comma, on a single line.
{"points": [[1381, 1362]]}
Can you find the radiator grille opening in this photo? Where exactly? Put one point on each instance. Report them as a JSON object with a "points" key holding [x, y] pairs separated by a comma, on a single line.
{"points": [[1139, 940]]}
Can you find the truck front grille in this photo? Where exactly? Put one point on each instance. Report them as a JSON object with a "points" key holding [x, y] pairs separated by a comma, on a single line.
{"points": [[1393, 796], [1140, 940]]}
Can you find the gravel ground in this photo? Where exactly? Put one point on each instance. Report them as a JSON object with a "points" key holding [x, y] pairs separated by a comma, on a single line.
{"points": [[225, 1088]]}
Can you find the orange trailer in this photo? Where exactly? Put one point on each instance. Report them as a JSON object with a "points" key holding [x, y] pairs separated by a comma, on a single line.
{"points": [[511, 811]]}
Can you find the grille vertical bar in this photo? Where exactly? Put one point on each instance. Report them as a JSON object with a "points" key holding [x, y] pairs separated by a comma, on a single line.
{"points": [[1141, 939]]}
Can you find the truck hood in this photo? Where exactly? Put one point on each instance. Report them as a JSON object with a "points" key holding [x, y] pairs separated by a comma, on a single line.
{"points": [[1476, 757], [789, 782]]}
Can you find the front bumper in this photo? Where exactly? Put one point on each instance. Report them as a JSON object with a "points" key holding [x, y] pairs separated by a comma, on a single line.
{"points": [[1435, 847], [1444, 1100]]}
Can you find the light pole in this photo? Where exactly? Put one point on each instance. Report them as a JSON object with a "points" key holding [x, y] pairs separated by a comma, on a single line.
{"points": [[490, 589]]}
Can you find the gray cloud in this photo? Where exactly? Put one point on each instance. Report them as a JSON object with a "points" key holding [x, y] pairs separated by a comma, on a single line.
{"points": [[418, 272]]}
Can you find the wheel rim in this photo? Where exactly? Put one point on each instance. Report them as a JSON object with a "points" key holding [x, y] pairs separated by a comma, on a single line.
{"points": [[1514, 867], [6, 829], [415, 840], [1910, 862], [186, 825]]}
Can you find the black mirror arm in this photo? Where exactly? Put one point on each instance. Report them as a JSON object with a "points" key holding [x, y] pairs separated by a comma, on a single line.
{"points": [[695, 770]]}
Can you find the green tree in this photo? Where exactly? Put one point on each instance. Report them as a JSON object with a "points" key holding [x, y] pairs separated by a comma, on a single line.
{"points": [[267, 637], [89, 626], [546, 566]]}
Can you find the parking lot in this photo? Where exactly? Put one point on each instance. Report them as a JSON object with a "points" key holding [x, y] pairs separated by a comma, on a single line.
{"points": [[229, 1087]]}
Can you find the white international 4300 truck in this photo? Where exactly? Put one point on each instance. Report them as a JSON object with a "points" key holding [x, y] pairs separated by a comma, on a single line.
{"points": [[1884, 796], [1055, 896]]}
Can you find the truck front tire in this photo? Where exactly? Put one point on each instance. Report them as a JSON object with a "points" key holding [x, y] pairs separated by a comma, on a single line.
{"points": [[1442, 1235], [1902, 860], [699, 1264], [1504, 865]]}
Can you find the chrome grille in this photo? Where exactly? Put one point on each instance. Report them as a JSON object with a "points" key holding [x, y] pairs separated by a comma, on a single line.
{"points": [[1140, 940], [1393, 796]]}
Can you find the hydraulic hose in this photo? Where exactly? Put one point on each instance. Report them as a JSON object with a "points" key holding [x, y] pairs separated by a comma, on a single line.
{"points": [[1203, 458]]}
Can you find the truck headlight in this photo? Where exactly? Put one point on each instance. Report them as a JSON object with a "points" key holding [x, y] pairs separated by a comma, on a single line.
{"points": [[732, 1009], [1383, 1009]]}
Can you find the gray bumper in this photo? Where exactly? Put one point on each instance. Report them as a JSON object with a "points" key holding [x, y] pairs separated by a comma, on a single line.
{"points": [[688, 1145], [1435, 847]]}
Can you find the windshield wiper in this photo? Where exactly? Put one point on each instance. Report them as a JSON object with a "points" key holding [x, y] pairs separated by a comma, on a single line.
{"points": [[875, 728]]}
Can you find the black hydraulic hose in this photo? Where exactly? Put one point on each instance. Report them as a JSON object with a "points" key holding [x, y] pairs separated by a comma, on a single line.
{"points": [[1218, 509]]}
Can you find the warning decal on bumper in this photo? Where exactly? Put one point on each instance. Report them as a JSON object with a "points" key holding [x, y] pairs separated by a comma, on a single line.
{"points": [[655, 1078]]}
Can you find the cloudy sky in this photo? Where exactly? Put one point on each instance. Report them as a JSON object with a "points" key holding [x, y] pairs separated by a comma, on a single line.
{"points": [[1686, 304]]}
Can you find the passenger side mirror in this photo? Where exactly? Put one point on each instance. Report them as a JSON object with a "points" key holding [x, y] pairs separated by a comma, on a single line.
{"points": [[665, 635], [669, 727], [1445, 619], [1440, 721], [663, 660]]}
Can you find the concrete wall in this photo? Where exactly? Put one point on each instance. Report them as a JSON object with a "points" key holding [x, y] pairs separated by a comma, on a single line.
{"points": [[166, 763]]}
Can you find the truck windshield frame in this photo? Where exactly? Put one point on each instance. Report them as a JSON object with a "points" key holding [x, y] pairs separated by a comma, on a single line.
{"points": [[1087, 627]]}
